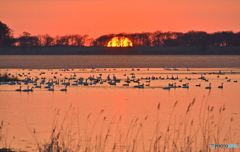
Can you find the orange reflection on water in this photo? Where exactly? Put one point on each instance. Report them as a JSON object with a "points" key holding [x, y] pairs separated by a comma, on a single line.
{"points": [[136, 107]]}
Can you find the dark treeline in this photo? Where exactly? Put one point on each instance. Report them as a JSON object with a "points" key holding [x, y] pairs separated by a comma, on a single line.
{"points": [[27, 40], [191, 38], [45, 40], [158, 38]]}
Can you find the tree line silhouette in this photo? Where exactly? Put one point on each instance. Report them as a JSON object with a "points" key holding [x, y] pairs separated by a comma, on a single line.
{"points": [[158, 38]]}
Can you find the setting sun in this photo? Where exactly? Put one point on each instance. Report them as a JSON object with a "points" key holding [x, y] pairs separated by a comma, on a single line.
{"points": [[120, 42]]}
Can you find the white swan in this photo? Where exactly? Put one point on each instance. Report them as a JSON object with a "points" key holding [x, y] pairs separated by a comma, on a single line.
{"points": [[221, 86], [114, 77], [90, 78], [68, 83], [47, 86], [174, 85], [198, 85], [80, 82], [139, 86], [38, 86], [201, 77], [51, 89], [75, 84], [208, 87], [185, 85], [26, 90], [153, 78], [112, 83], [85, 83], [167, 88], [65, 89], [30, 89], [57, 83], [19, 89], [233, 72], [63, 83], [108, 77], [43, 81]]}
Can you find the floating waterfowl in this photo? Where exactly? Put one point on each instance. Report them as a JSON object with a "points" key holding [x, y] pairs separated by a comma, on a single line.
{"points": [[20, 89], [208, 87], [221, 86], [51, 89], [198, 85], [65, 89]]}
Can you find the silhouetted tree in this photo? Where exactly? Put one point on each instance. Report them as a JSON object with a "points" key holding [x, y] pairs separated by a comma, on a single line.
{"points": [[48, 40], [6, 35], [103, 40], [24, 39], [157, 38]]}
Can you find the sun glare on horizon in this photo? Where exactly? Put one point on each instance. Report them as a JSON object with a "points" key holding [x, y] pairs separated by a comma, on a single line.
{"points": [[120, 42]]}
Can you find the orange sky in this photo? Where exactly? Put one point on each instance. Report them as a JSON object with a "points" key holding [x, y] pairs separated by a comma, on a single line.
{"points": [[97, 17]]}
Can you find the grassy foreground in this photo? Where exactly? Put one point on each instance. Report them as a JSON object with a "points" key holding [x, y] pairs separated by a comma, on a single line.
{"points": [[183, 134]]}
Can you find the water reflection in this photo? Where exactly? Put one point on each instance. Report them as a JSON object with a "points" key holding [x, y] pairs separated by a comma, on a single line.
{"points": [[126, 109]]}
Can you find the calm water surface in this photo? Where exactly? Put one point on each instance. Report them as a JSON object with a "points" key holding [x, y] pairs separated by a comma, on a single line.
{"points": [[22, 111], [118, 61]]}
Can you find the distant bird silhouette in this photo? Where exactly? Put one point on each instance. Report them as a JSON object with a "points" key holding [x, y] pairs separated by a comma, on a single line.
{"points": [[51, 89], [25, 90], [208, 87], [38, 86], [65, 89], [221, 86], [185, 85], [232, 72], [198, 85], [19, 89], [167, 88]]}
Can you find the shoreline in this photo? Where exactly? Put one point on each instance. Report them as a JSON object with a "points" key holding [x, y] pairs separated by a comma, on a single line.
{"points": [[81, 50]]}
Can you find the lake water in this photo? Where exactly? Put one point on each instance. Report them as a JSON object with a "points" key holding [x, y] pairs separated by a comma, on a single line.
{"points": [[131, 114], [118, 61]]}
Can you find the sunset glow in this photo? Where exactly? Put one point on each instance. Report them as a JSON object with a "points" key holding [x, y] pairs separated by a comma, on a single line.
{"points": [[97, 17], [120, 42]]}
